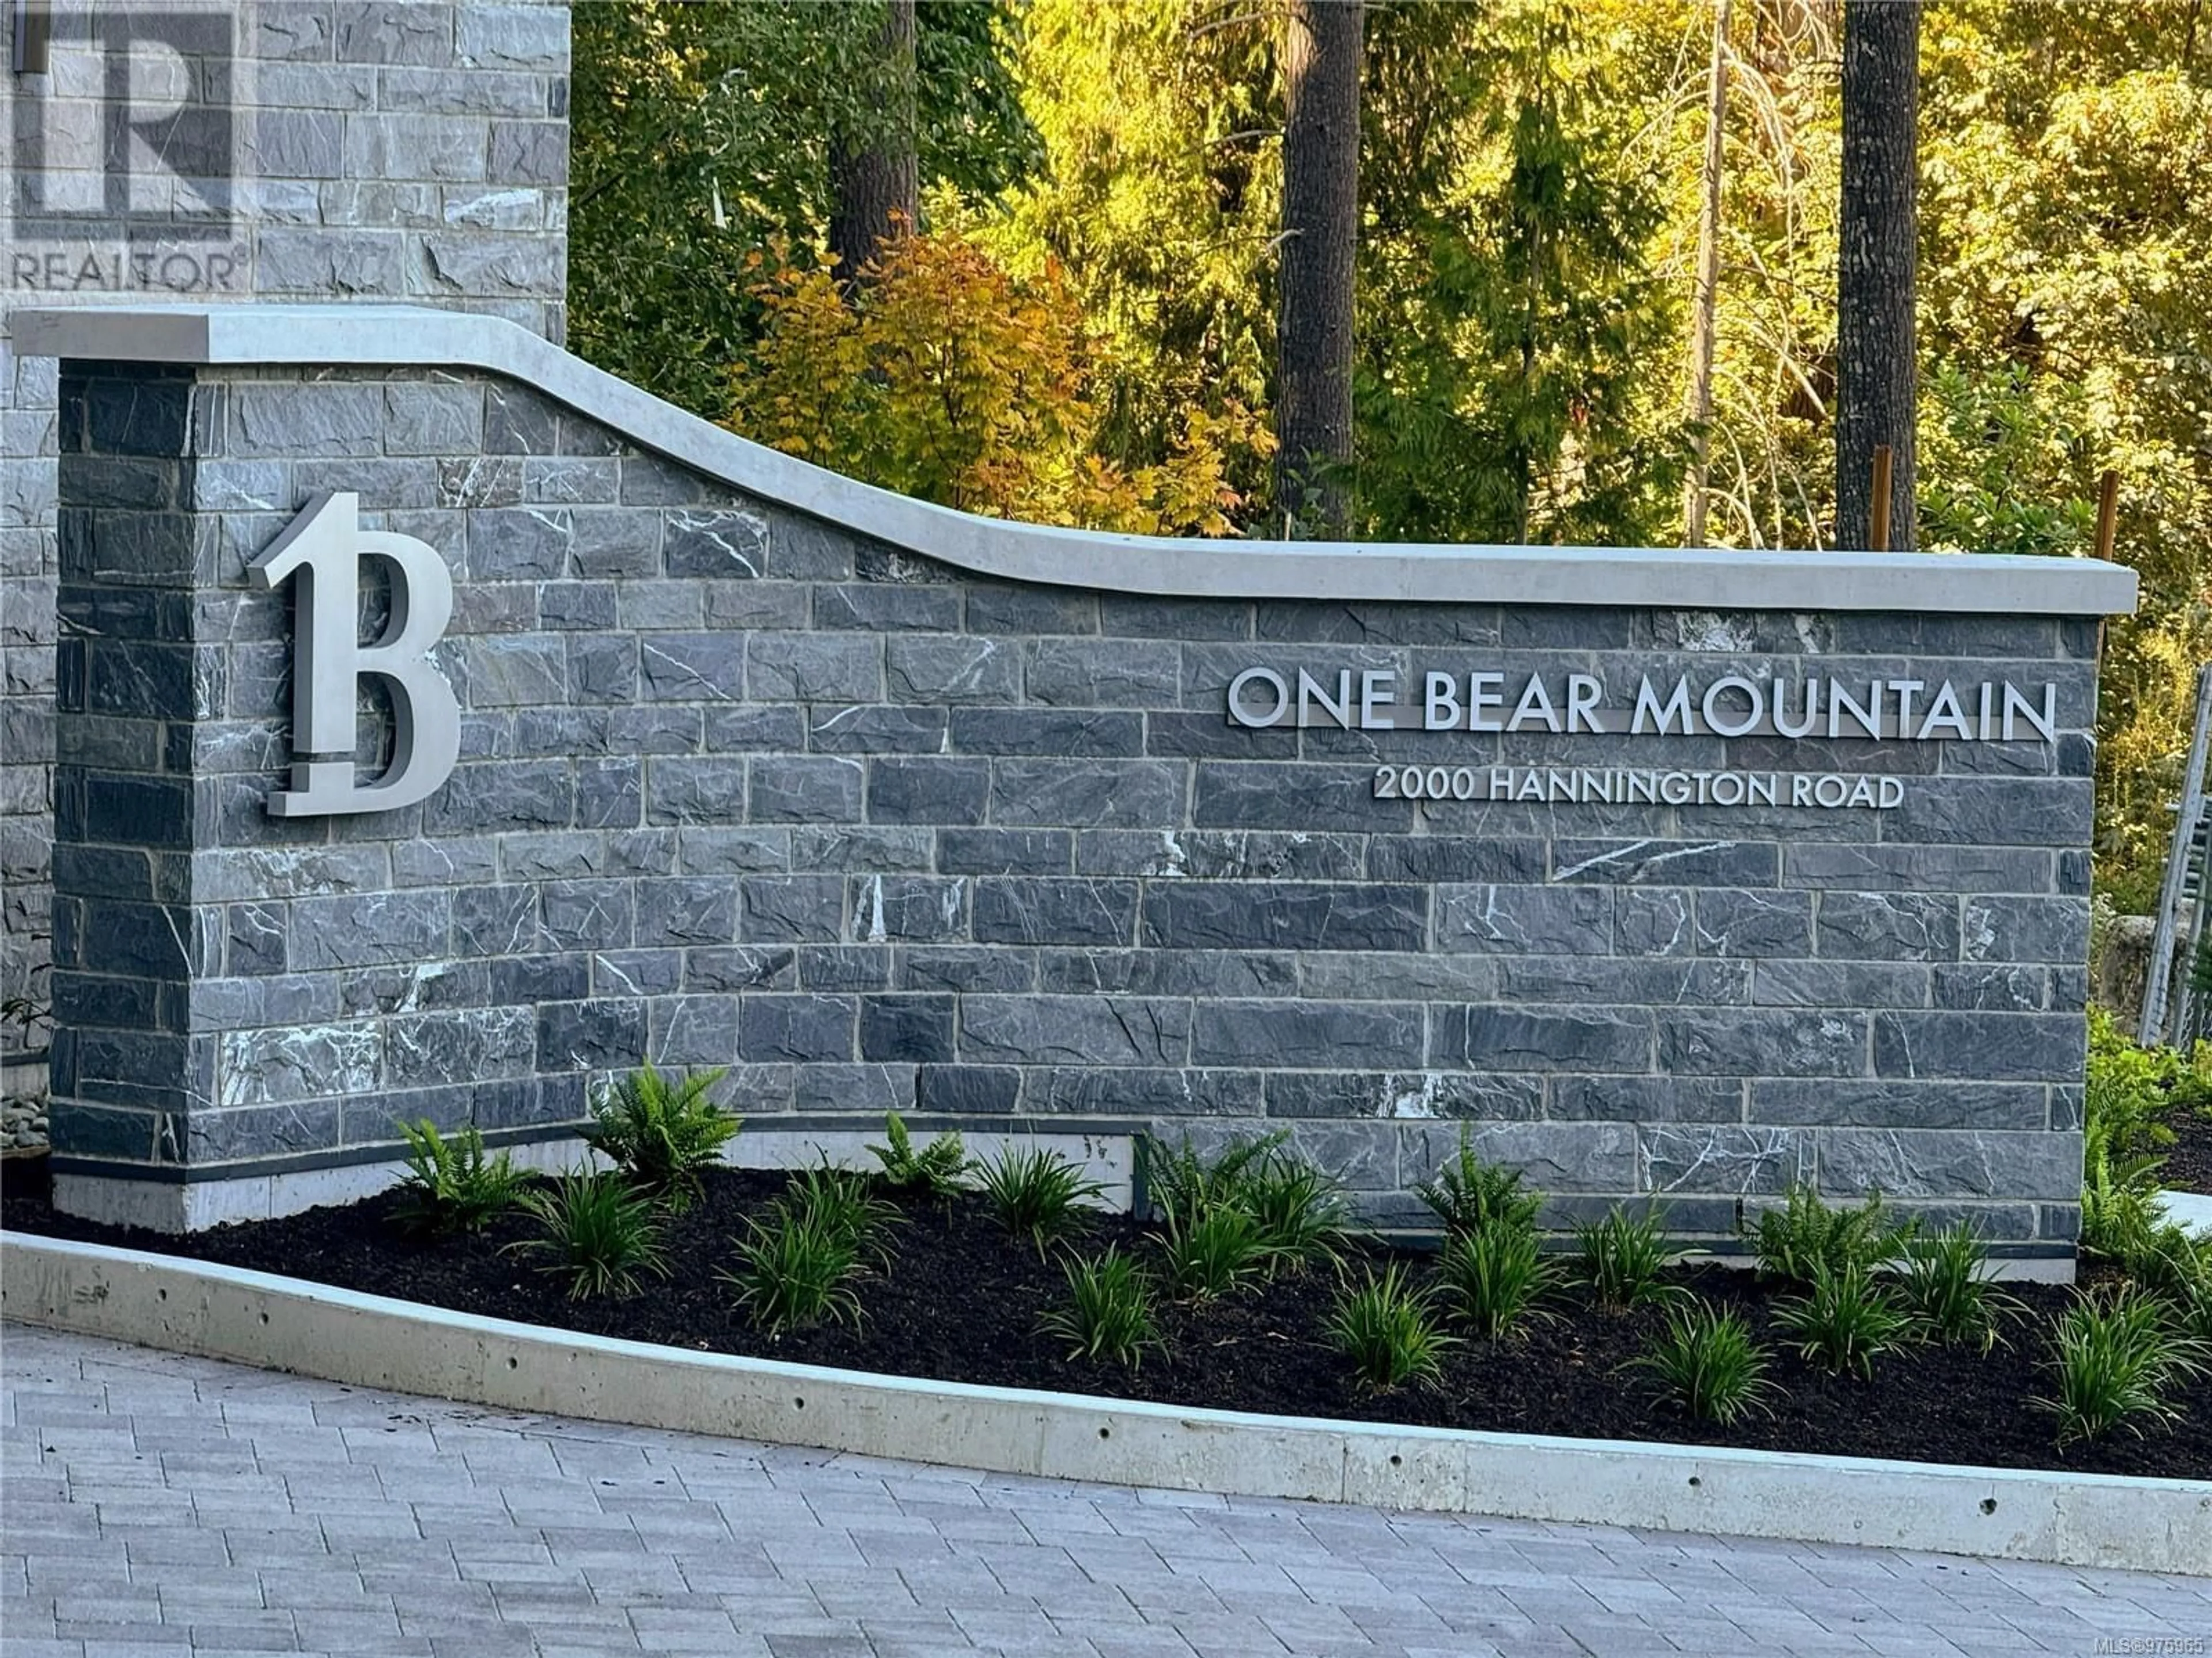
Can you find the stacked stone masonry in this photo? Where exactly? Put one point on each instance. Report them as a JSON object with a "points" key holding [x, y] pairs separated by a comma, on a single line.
{"points": [[364, 150], [740, 790]]}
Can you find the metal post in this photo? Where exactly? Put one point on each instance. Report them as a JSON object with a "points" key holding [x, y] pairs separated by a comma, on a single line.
{"points": [[2151, 1028]]}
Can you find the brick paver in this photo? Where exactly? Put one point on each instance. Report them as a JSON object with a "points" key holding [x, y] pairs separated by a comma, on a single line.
{"points": [[155, 1506]]}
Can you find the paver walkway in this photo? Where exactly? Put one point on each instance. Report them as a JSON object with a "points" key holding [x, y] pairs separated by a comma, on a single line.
{"points": [[161, 1506]]}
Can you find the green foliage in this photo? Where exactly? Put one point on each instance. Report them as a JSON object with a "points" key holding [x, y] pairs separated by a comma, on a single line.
{"points": [[1109, 1313], [1034, 1192], [1389, 1330], [1805, 1236], [1708, 1364], [941, 1168], [2117, 1357], [1214, 1252], [1946, 1286], [795, 1268], [1845, 1321], [663, 1133], [1298, 1211], [596, 1230], [450, 1185], [840, 1201], [1623, 1259], [699, 133], [1468, 1195], [1495, 1277]]}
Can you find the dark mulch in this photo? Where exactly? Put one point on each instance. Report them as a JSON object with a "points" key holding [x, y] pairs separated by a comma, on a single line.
{"points": [[961, 1301], [2188, 1160]]}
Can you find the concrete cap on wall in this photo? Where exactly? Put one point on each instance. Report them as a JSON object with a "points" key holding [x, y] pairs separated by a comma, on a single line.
{"points": [[407, 337]]}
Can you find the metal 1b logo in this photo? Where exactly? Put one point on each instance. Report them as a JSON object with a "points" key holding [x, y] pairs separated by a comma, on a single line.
{"points": [[321, 550]]}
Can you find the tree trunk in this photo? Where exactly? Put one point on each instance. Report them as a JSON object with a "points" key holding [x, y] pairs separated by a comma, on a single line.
{"points": [[1706, 296], [1321, 232], [1877, 368], [874, 186]]}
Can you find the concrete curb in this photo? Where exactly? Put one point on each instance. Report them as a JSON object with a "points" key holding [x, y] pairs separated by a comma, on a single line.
{"points": [[338, 1336]]}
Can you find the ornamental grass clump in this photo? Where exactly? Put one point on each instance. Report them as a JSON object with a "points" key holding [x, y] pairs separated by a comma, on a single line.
{"points": [[1468, 1194], [839, 1201], [1388, 1328], [1845, 1321], [1706, 1362], [1946, 1285], [938, 1169], [795, 1268], [1036, 1193], [1298, 1212], [450, 1185], [1496, 1276], [662, 1131], [1181, 1182], [2117, 1358], [1805, 1234], [1109, 1313], [1624, 1258], [598, 1231], [1215, 1254]]}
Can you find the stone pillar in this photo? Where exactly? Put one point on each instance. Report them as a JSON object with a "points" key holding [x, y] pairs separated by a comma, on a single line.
{"points": [[317, 151]]}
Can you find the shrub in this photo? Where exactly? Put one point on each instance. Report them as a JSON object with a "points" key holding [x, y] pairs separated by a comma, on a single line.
{"points": [[1034, 1192], [2128, 1090], [1182, 1182], [1495, 1276], [1109, 1313], [839, 1202], [2117, 1355], [1388, 1330], [1623, 1258], [1707, 1362], [1300, 1213], [1845, 1322], [450, 1186], [795, 1268], [1216, 1253], [598, 1231], [1468, 1194], [939, 1168], [1946, 1287], [1805, 1234], [661, 1132]]}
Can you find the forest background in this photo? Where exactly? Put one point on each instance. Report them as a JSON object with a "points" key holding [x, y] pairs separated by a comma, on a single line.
{"points": [[1081, 326]]}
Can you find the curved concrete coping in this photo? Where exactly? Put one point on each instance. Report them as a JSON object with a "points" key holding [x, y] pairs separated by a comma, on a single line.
{"points": [[1702, 579], [254, 1318]]}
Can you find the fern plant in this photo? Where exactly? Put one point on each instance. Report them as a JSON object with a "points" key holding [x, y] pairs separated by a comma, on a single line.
{"points": [[1796, 1241], [662, 1131], [939, 1168], [450, 1185]]}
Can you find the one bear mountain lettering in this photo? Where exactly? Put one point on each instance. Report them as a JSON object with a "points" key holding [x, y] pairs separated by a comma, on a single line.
{"points": [[1808, 706]]}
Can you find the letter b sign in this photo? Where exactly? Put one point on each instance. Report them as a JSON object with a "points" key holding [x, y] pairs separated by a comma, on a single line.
{"points": [[323, 547]]}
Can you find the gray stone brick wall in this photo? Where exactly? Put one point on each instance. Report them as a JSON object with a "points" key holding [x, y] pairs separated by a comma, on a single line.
{"points": [[373, 151], [739, 789]]}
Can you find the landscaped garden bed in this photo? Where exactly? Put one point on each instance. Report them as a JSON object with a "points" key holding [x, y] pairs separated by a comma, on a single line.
{"points": [[1285, 1314]]}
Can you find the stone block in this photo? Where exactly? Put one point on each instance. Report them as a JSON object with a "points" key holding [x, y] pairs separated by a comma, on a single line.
{"points": [[1666, 863], [1086, 794], [1286, 916], [814, 668], [751, 727], [1999, 987], [683, 790], [1645, 1099], [693, 910], [1532, 920], [363, 929], [964, 968], [1066, 732], [1218, 854], [482, 481], [1691, 1159], [795, 789], [529, 152], [774, 1028], [750, 967], [1004, 852], [1055, 912], [1124, 1091], [1948, 1163], [1102, 673], [925, 668], [1653, 922], [963, 1091], [1074, 1029], [1890, 1102], [502, 795], [882, 607], [513, 37], [492, 919], [791, 908], [1979, 1047], [725, 544], [1554, 1156], [1889, 927], [1840, 984], [1456, 859], [880, 728], [733, 851], [844, 967], [1404, 1095], [589, 914], [1373, 1036], [1542, 1038], [1762, 1042], [2026, 929], [608, 1034], [1606, 980], [928, 791], [477, 1045], [1285, 795], [1738, 923]]}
